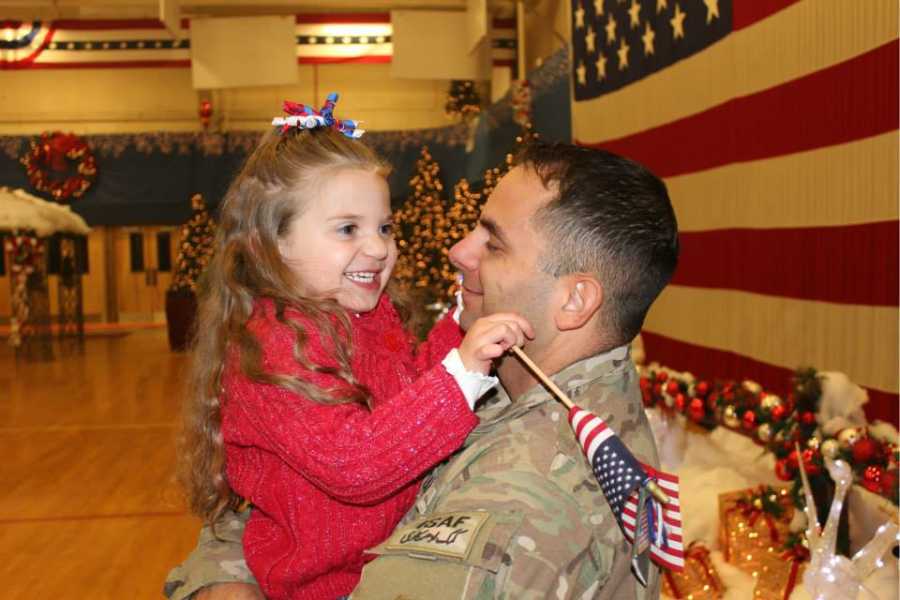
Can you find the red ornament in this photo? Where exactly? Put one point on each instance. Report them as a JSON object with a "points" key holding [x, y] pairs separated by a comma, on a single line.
{"points": [[749, 419], [661, 377], [657, 390], [793, 459], [778, 412], [810, 463], [808, 418], [205, 111], [872, 478], [701, 389], [672, 387], [712, 401], [645, 384], [680, 401], [783, 470], [696, 410], [865, 450]]}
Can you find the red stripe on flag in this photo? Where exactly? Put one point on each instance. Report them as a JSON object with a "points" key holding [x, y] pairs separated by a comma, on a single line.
{"points": [[713, 363], [851, 100], [860, 260], [632, 512], [747, 12], [110, 64], [322, 60], [663, 476], [588, 418], [107, 24], [344, 18], [590, 438]]}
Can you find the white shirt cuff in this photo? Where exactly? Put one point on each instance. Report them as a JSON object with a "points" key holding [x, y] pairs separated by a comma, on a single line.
{"points": [[472, 385], [459, 306]]}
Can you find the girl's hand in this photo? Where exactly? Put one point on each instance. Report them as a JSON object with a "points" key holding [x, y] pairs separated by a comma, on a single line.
{"points": [[489, 337]]}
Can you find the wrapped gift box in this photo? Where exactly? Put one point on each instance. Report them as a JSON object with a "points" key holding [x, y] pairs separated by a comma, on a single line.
{"points": [[699, 579], [750, 528]]}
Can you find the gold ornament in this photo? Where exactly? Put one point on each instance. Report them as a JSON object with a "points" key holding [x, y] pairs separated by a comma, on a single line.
{"points": [[764, 432], [770, 401], [730, 418], [813, 443], [848, 437], [830, 448]]}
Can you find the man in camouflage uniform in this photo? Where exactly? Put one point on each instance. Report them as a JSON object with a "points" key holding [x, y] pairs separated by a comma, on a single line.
{"points": [[580, 242]]}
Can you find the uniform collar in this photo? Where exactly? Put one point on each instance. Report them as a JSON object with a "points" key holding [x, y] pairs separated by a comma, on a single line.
{"points": [[501, 409]]}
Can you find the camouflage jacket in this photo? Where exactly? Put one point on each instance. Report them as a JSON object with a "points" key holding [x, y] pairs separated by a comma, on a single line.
{"points": [[516, 514]]}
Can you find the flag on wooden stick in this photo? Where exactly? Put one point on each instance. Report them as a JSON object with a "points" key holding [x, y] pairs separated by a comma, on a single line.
{"points": [[643, 500]]}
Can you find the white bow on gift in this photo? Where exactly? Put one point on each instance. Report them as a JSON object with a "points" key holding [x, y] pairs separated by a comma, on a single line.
{"points": [[830, 576]]}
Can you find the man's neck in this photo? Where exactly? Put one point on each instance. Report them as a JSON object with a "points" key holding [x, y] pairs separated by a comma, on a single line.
{"points": [[551, 359]]}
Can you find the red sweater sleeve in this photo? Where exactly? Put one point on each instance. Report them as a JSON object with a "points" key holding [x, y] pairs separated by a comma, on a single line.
{"points": [[355, 455], [443, 337]]}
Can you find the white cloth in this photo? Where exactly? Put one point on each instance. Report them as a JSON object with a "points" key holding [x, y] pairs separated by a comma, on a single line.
{"points": [[473, 385]]}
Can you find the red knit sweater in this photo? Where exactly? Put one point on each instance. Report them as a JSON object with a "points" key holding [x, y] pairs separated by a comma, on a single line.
{"points": [[328, 482]]}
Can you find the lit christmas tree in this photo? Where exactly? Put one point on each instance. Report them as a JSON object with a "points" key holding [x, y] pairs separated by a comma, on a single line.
{"points": [[462, 99], [423, 236], [196, 247]]}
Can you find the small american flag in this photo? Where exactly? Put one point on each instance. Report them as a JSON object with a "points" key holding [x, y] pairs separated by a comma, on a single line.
{"points": [[621, 477]]}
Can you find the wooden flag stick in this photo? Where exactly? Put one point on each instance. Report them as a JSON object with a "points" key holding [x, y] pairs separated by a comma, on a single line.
{"points": [[652, 486], [544, 379]]}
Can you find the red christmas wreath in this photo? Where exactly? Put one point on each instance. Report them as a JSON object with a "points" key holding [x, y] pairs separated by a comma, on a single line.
{"points": [[60, 164]]}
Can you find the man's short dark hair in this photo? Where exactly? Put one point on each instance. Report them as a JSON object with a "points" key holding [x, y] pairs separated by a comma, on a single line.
{"points": [[612, 218]]}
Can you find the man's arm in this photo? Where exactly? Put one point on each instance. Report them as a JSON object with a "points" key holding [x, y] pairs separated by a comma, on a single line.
{"points": [[512, 534], [215, 569]]}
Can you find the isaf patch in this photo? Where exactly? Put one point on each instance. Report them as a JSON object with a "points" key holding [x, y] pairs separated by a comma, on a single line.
{"points": [[448, 534]]}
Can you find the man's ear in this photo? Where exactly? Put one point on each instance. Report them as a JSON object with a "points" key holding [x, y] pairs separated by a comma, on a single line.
{"points": [[583, 298]]}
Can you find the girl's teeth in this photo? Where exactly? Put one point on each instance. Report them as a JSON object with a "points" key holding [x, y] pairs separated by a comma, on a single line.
{"points": [[364, 277]]}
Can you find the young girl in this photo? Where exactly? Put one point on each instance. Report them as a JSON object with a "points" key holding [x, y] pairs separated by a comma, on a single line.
{"points": [[307, 399]]}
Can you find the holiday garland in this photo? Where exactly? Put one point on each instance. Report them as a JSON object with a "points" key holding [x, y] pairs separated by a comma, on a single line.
{"points": [[779, 424], [60, 164]]}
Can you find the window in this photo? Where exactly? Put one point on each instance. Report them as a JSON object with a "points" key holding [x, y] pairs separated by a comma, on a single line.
{"points": [[136, 246], [53, 254], [164, 251]]}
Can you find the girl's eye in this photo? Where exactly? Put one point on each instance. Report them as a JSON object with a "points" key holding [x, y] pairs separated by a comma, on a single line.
{"points": [[491, 247], [387, 229], [348, 229]]}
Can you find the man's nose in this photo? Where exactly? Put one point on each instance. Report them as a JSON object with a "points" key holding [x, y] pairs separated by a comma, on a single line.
{"points": [[466, 254]]}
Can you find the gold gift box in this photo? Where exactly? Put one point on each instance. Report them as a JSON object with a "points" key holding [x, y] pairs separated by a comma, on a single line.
{"points": [[747, 533]]}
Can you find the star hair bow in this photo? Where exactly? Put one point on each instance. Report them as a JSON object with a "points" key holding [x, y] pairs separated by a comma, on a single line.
{"points": [[306, 117]]}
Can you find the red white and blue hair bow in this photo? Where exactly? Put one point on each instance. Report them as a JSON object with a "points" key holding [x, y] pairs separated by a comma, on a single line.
{"points": [[306, 117]]}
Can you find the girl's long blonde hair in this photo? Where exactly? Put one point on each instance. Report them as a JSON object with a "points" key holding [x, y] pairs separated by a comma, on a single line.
{"points": [[268, 193]]}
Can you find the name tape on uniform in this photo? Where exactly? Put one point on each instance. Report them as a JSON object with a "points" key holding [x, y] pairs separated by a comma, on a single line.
{"points": [[447, 534]]}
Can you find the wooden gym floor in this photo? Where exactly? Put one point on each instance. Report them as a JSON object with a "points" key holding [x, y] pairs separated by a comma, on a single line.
{"points": [[89, 506]]}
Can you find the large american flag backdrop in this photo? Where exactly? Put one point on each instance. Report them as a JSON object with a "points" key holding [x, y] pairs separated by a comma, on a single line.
{"points": [[774, 124]]}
